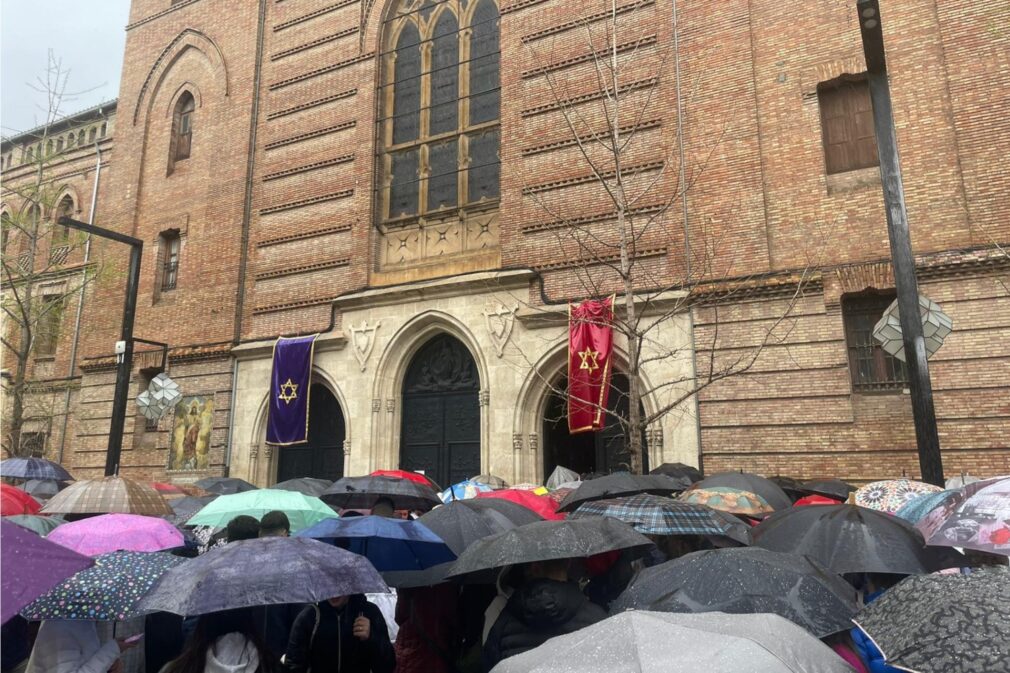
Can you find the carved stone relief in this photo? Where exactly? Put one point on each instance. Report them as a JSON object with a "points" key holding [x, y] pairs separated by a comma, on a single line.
{"points": [[517, 441], [500, 322], [347, 447], [427, 240], [363, 341]]}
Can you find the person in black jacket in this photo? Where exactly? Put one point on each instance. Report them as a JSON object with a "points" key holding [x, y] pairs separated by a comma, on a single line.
{"points": [[545, 605], [341, 635]]}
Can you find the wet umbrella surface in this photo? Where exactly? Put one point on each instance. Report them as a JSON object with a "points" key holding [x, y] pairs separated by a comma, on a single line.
{"points": [[746, 581], [225, 485], [304, 485], [753, 483], [621, 484], [658, 642], [108, 495], [656, 515], [364, 492], [390, 544], [944, 623], [33, 468]]}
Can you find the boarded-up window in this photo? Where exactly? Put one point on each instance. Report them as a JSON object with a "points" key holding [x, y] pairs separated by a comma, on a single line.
{"points": [[847, 125], [47, 325], [870, 367]]}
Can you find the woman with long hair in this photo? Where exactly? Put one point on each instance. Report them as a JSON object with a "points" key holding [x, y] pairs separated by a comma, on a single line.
{"points": [[225, 642]]}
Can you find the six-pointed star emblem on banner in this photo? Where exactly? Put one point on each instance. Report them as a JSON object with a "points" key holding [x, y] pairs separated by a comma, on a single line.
{"points": [[289, 391], [589, 359]]}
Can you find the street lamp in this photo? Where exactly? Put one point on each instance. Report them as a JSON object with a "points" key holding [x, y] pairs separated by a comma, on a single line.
{"points": [[124, 349], [923, 413]]}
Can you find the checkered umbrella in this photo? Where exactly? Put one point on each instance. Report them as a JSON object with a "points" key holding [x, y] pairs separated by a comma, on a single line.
{"points": [[108, 495], [655, 515], [33, 468]]}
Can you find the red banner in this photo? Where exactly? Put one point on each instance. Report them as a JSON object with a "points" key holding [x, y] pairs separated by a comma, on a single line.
{"points": [[590, 346]]}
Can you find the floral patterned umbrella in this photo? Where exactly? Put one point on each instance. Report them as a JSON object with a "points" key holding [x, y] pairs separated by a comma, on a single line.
{"points": [[108, 591], [889, 495], [730, 500]]}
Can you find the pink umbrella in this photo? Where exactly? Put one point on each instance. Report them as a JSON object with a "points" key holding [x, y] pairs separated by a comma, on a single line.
{"points": [[117, 532]]}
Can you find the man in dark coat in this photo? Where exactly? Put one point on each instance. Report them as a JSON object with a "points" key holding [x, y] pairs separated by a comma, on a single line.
{"points": [[343, 635], [544, 606]]}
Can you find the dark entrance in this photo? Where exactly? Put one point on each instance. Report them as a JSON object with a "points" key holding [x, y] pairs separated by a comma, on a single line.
{"points": [[602, 452], [323, 456], [441, 416]]}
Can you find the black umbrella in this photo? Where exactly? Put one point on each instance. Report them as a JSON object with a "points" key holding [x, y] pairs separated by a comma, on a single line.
{"points": [[754, 483], [548, 540], [746, 581], [225, 485], [851, 539], [364, 492], [620, 484], [305, 485], [830, 488], [679, 471], [941, 623], [792, 487], [185, 508], [460, 524]]}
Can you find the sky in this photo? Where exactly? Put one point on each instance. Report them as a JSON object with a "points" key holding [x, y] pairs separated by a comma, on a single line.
{"points": [[87, 35]]}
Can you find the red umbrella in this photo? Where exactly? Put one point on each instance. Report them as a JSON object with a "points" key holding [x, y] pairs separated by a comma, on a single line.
{"points": [[415, 477], [15, 501], [816, 500], [541, 504]]}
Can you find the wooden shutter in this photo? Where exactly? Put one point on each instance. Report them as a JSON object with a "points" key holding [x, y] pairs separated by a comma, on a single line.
{"points": [[847, 127]]}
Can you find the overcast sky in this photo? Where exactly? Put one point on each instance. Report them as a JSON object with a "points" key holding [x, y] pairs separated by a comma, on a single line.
{"points": [[87, 35]]}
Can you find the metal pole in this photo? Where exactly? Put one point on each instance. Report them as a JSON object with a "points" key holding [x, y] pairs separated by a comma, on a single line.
{"points": [[923, 413], [125, 365]]}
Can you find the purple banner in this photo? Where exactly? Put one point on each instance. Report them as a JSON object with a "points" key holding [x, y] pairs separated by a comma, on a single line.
{"points": [[288, 419]]}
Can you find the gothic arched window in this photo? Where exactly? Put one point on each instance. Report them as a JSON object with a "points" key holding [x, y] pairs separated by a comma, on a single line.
{"points": [[439, 110], [182, 129]]}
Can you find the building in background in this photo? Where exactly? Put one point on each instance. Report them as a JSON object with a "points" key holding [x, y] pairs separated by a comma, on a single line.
{"points": [[400, 177]]}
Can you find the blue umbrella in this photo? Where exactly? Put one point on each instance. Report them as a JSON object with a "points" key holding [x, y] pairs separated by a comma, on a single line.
{"points": [[33, 468], [464, 490], [264, 571], [921, 505], [390, 544]]}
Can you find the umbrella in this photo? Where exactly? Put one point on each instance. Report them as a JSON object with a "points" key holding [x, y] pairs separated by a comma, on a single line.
{"points": [[746, 581], [918, 507], [304, 485], [117, 532], [460, 524], [679, 471], [655, 515], [415, 477], [792, 487], [491, 480], [889, 495], [110, 494], [43, 489], [33, 468], [108, 591], [620, 484], [978, 518], [364, 492], [960, 481], [753, 483], [547, 540], [464, 490], [36, 523], [535, 488], [185, 508], [15, 501], [264, 571], [816, 500], [561, 475], [541, 504], [302, 510], [225, 485], [660, 642], [167, 490], [729, 500], [31, 567], [943, 623], [830, 488], [390, 544], [850, 539]]}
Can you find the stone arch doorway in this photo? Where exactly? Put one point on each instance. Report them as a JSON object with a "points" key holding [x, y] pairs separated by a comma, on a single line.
{"points": [[440, 427], [323, 455], [600, 452]]}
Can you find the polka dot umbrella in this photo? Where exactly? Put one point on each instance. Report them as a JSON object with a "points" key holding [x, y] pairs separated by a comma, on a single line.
{"points": [[108, 591]]}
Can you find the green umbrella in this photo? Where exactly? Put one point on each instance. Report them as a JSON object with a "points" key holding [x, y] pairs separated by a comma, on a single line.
{"points": [[40, 525], [302, 510]]}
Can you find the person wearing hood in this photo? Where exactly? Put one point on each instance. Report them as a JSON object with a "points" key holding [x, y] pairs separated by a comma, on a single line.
{"points": [[225, 642], [345, 634], [545, 605]]}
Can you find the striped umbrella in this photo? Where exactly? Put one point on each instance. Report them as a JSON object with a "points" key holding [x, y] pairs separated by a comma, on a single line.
{"points": [[108, 495]]}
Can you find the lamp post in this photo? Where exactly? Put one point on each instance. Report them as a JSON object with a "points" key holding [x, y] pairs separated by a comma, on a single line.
{"points": [[125, 363], [902, 259]]}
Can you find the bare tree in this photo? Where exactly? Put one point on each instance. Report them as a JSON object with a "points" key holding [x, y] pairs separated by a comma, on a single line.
{"points": [[43, 266], [623, 250]]}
